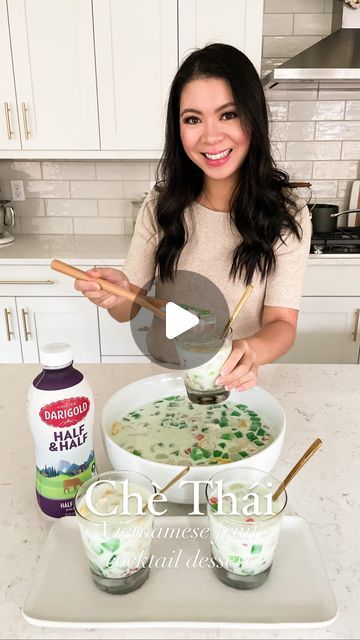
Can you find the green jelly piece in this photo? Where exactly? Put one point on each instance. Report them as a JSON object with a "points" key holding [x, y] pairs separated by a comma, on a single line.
{"points": [[222, 445], [216, 421], [256, 548], [111, 545], [238, 434], [241, 406], [248, 572], [251, 436], [206, 453], [235, 413], [223, 422], [225, 456], [98, 550], [226, 436], [243, 454], [217, 453], [136, 452], [170, 398], [196, 453], [126, 419], [109, 564], [260, 432], [253, 427], [235, 560], [259, 443], [214, 506]]}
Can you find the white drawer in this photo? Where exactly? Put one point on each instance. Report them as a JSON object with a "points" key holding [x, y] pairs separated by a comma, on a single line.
{"points": [[36, 280], [332, 280]]}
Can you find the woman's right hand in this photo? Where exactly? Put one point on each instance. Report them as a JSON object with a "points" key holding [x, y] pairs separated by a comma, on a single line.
{"points": [[93, 291]]}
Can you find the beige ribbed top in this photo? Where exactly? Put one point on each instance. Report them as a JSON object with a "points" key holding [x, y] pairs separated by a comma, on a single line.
{"points": [[208, 252]]}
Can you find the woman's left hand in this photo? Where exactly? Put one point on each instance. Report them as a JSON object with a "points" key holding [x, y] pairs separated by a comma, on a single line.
{"points": [[240, 370]]}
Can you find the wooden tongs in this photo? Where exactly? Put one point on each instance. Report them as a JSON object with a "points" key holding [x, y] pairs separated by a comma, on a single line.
{"points": [[153, 304]]}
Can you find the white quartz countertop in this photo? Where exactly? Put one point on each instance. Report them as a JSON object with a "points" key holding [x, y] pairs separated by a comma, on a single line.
{"points": [[41, 249], [319, 401], [103, 249]]}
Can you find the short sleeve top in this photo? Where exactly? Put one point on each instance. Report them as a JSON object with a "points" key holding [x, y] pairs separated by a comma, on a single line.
{"points": [[209, 252]]}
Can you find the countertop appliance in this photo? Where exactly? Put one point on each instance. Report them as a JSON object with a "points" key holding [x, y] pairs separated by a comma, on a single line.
{"points": [[7, 219], [342, 240]]}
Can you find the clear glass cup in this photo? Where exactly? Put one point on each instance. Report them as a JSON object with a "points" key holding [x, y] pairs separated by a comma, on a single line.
{"points": [[202, 356], [117, 544], [243, 543]]}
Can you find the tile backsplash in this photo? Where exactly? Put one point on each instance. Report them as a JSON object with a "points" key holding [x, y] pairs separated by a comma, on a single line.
{"points": [[315, 137]]}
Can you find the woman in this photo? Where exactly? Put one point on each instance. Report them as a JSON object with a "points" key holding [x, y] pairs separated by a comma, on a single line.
{"points": [[222, 209]]}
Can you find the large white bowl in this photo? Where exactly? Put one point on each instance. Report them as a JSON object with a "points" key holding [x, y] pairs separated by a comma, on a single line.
{"points": [[159, 386]]}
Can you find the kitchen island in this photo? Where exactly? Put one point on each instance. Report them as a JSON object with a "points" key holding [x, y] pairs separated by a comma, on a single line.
{"points": [[319, 401]]}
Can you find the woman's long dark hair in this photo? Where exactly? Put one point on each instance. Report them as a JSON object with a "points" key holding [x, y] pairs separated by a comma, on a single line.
{"points": [[261, 207]]}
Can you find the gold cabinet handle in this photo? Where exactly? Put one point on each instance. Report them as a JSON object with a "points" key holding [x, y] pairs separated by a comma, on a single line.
{"points": [[357, 326], [27, 281], [27, 333], [10, 133], [9, 333], [25, 119]]}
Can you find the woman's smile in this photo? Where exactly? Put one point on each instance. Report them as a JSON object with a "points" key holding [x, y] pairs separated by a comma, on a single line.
{"points": [[217, 158]]}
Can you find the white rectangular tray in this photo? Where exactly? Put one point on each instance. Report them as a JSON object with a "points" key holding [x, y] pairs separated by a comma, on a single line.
{"points": [[297, 593]]}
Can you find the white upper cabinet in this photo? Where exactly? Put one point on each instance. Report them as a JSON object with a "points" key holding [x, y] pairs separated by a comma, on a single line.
{"points": [[90, 78], [136, 59], [54, 67], [9, 126], [235, 22]]}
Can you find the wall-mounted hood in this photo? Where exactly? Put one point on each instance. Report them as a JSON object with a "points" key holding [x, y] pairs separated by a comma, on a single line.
{"points": [[335, 59]]}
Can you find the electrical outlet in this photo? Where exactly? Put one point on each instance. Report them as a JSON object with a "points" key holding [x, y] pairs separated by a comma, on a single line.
{"points": [[17, 189]]}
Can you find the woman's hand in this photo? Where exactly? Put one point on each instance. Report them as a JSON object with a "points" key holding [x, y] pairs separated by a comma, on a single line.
{"points": [[93, 291], [240, 370]]}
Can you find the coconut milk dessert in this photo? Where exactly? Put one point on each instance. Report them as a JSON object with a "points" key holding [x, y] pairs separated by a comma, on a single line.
{"points": [[244, 526], [173, 430], [116, 535], [212, 352]]}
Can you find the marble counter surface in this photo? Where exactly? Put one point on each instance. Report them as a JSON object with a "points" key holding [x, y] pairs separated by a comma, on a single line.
{"points": [[104, 249], [82, 249], [319, 401]]}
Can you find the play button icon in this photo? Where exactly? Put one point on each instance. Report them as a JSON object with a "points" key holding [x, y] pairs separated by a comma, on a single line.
{"points": [[178, 320]]}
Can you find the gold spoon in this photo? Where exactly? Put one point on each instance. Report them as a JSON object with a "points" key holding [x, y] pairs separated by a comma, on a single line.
{"points": [[243, 299], [296, 468], [167, 486]]}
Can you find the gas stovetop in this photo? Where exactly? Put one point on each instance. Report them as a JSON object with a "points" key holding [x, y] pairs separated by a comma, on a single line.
{"points": [[343, 240]]}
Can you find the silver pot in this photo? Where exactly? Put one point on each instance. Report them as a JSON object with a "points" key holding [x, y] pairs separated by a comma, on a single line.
{"points": [[7, 216], [324, 217]]}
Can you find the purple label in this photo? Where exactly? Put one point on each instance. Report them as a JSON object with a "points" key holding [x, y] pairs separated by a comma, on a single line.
{"points": [[56, 508]]}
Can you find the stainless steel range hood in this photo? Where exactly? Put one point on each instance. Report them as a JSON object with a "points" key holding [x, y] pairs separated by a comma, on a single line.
{"points": [[335, 59]]}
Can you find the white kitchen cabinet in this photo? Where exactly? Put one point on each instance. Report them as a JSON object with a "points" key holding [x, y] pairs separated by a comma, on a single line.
{"points": [[116, 339], [10, 342], [235, 22], [328, 331], [38, 305], [72, 320], [136, 58], [54, 69], [9, 125]]}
